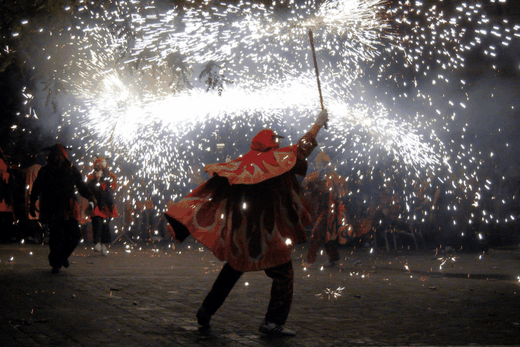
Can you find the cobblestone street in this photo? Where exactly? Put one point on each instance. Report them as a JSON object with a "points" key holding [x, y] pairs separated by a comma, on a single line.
{"points": [[147, 295]]}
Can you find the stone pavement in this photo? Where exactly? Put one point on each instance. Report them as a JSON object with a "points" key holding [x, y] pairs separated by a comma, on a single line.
{"points": [[148, 294]]}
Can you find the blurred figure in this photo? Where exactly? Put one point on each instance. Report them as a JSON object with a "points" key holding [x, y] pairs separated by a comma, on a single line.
{"points": [[128, 218], [7, 217], [324, 189], [249, 214], [55, 189], [145, 218], [102, 183], [34, 232]]}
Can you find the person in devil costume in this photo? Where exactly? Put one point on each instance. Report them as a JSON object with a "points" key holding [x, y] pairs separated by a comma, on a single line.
{"points": [[248, 214], [55, 188], [324, 189], [102, 183]]}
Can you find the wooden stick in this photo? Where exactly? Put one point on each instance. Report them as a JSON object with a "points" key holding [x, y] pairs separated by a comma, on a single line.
{"points": [[316, 70]]}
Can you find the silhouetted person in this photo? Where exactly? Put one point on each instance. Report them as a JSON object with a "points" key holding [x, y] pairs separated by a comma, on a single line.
{"points": [[55, 188]]}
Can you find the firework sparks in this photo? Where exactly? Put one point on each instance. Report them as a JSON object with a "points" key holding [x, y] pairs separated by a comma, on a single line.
{"points": [[446, 259], [330, 294], [134, 107], [156, 89]]}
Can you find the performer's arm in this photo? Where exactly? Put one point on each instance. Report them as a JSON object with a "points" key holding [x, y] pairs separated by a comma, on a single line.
{"points": [[83, 189], [308, 142]]}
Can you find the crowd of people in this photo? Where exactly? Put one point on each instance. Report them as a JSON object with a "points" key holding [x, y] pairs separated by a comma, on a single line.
{"points": [[375, 207], [253, 209], [40, 203], [381, 208]]}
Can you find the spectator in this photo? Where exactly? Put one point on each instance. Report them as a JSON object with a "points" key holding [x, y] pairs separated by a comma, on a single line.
{"points": [[33, 228], [324, 189], [55, 189], [7, 218], [102, 183]]}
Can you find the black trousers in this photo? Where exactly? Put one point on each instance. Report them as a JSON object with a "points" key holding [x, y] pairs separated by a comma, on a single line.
{"points": [[64, 236], [101, 230], [281, 291]]}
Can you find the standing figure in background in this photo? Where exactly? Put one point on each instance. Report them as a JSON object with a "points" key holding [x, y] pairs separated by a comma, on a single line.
{"points": [[145, 215], [102, 183], [248, 214], [323, 190], [34, 232], [7, 217], [55, 189]]}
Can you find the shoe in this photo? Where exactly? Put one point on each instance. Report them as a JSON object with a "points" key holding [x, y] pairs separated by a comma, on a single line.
{"points": [[66, 263], [97, 247], [275, 329], [203, 317], [104, 250], [55, 270]]}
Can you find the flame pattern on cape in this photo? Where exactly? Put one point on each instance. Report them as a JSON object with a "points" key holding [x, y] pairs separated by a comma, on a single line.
{"points": [[252, 210]]}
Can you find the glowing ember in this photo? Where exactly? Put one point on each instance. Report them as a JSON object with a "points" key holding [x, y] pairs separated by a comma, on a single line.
{"points": [[330, 294]]}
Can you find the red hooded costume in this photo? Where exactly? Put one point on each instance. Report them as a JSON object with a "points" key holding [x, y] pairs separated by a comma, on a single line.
{"points": [[103, 187], [252, 209]]}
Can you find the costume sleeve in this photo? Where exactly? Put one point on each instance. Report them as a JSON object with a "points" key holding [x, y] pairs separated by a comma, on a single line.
{"points": [[80, 184], [308, 142]]}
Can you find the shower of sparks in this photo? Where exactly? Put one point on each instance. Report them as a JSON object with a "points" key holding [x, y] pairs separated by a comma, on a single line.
{"points": [[330, 294], [154, 90]]}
